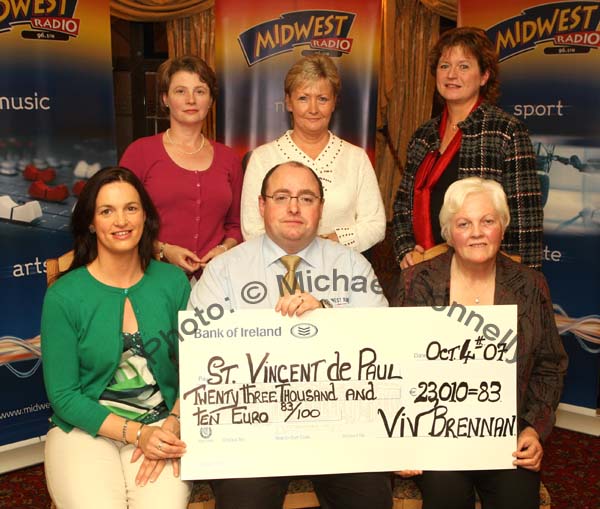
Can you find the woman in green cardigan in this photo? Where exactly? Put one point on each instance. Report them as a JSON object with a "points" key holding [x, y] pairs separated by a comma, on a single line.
{"points": [[109, 351]]}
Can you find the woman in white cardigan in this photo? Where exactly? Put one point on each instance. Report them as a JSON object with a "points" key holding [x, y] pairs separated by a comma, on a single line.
{"points": [[353, 213]]}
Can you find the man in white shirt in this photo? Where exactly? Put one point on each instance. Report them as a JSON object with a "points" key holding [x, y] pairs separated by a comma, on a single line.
{"points": [[293, 271]]}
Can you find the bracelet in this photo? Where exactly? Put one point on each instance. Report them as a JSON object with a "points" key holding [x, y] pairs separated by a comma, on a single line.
{"points": [[138, 435], [124, 431], [327, 304], [161, 251], [173, 414]]}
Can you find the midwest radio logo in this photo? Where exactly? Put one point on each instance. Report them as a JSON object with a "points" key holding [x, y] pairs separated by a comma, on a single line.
{"points": [[572, 27], [48, 19], [322, 31]]}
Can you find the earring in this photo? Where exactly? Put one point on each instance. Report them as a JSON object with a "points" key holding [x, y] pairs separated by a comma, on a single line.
{"points": [[92, 229]]}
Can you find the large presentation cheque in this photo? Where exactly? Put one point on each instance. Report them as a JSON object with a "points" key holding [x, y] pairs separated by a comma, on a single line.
{"points": [[347, 390]]}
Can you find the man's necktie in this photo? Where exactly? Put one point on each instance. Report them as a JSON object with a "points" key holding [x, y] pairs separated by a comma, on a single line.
{"points": [[290, 283]]}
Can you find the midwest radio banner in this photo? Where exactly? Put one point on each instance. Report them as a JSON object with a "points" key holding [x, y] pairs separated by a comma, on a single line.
{"points": [[255, 47], [550, 56], [56, 130]]}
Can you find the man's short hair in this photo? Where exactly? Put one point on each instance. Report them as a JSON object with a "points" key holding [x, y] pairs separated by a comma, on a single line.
{"points": [[265, 182]]}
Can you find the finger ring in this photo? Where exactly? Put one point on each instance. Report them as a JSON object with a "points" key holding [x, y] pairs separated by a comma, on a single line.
{"points": [[159, 446]]}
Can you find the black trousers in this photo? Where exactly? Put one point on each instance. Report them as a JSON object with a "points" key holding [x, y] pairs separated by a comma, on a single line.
{"points": [[335, 491], [498, 489]]}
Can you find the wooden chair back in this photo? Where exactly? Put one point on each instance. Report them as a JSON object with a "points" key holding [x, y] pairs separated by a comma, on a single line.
{"points": [[56, 266], [442, 248]]}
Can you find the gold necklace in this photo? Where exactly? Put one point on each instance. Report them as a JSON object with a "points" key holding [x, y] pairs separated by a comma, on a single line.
{"points": [[454, 127], [179, 145]]}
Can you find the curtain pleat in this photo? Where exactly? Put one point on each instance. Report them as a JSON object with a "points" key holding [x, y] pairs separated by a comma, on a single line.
{"points": [[157, 10], [446, 8], [406, 87]]}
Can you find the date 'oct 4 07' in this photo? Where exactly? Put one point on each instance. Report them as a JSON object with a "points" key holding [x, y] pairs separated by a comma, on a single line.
{"points": [[468, 350]]}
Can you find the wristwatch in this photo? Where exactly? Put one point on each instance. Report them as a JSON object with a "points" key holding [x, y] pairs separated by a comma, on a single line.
{"points": [[326, 303]]}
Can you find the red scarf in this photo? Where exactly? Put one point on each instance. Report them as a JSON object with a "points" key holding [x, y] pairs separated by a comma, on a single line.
{"points": [[427, 176]]}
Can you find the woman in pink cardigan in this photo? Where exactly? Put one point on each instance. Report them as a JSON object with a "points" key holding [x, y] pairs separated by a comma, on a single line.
{"points": [[195, 183]]}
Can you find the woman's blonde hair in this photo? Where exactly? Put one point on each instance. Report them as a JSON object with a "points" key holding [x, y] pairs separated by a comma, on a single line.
{"points": [[457, 193], [312, 68]]}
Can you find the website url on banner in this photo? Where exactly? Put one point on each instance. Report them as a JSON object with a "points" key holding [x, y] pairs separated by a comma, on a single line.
{"points": [[18, 412]]}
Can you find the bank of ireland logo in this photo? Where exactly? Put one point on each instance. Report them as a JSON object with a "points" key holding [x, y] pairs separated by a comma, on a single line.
{"points": [[304, 330], [322, 31], [49, 21]]}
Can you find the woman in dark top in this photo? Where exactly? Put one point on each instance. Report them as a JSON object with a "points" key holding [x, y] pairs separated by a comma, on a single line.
{"points": [[473, 220], [471, 138]]}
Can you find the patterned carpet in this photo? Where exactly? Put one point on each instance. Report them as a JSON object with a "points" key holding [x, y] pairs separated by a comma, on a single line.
{"points": [[571, 473], [571, 470], [24, 489]]}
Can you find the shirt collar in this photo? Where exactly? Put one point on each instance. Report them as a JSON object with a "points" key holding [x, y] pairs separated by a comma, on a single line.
{"points": [[272, 252]]}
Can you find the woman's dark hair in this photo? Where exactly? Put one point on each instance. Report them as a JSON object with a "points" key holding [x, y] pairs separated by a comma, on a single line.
{"points": [[188, 63], [85, 242], [475, 41]]}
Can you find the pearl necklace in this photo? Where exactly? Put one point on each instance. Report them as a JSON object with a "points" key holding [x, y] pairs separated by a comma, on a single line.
{"points": [[179, 145]]}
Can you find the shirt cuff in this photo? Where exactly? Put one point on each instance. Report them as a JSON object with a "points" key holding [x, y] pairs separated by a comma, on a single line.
{"points": [[347, 236]]}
